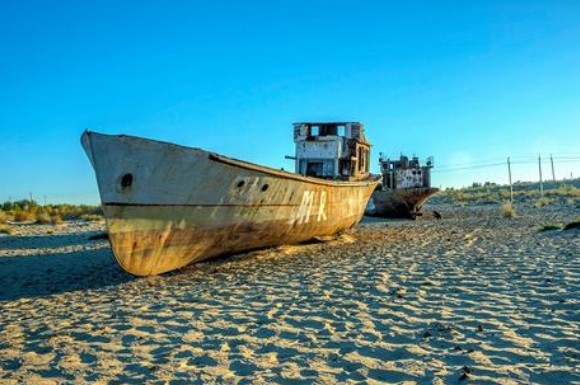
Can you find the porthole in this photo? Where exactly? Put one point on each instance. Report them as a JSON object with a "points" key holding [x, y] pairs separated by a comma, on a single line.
{"points": [[241, 184], [265, 187], [126, 181]]}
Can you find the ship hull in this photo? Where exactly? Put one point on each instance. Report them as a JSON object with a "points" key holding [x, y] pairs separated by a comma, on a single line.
{"points": [[399, 203], [167, 206]]}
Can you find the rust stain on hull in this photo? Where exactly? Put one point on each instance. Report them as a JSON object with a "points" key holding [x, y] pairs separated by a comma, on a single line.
{"points": [[403, 203], [167, 206], [405, 186]]}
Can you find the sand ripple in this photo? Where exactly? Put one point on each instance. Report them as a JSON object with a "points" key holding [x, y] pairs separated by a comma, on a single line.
{"points": [[473, 298]]}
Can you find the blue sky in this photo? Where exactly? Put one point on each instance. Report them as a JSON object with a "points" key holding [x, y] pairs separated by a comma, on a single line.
{"points": [[466, 82]]}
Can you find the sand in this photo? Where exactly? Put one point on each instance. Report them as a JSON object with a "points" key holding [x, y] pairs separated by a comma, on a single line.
{"points": [[474, 298]]}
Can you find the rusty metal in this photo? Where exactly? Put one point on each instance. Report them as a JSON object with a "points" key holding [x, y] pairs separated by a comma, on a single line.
{"points": [[404, 188], [183, 205], [323, 151]]}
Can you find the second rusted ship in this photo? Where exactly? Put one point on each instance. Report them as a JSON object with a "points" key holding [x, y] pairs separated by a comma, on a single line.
{"points": [[167, 206], [404, 188]]}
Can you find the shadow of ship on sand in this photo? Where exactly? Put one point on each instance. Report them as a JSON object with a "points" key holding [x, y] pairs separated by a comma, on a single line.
{"points": [[75, 263]]}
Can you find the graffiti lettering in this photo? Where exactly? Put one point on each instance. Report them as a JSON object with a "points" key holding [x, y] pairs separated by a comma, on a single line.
{"points": [[302, 214], [322, 207]]}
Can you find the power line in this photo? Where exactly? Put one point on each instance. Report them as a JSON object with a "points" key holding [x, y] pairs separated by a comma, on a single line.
{"points": [[468, 167], [520, 160], [488, 162]]}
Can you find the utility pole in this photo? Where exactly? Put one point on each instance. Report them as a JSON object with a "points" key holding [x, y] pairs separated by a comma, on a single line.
{"points": [[540, 168], [553, 173], [510, 177]]}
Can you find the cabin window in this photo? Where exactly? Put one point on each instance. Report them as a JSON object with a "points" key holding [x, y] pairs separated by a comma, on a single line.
{"points": [[314, 169], [327, 129], [341, 130], [314, 130]]}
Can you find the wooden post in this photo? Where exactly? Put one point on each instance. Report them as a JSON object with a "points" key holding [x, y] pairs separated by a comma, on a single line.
{"points": [[510, 177], [553, 173], [540, 168]]}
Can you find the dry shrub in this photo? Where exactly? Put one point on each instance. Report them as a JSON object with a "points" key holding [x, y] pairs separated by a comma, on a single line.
{"points": [[43, 218], [6, 230], [508, 210], [566, 190], [56, 219], [3, 216], [543, 201], [24, 216], [91, 217], [504, 194]]}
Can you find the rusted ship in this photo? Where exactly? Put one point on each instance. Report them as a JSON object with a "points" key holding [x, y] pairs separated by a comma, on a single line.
{"points": [[167, 206], [404, 188]]}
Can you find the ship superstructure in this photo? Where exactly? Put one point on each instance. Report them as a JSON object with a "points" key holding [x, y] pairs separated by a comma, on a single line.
{"points": [[337, 150], [405, 186]]}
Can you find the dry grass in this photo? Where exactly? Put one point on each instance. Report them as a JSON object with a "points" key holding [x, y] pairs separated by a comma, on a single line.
{"points": [[56, 219], [550, 228], [3, 217], [24, 216], [91, 217], [523, 192], [508, 210], [6, 230], [544, 201], [46, 218], [565, 190], [31, 211], [42, 218]]}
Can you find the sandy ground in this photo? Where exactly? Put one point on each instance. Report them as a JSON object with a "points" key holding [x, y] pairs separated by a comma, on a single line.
{"points": [[474, 298]]}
